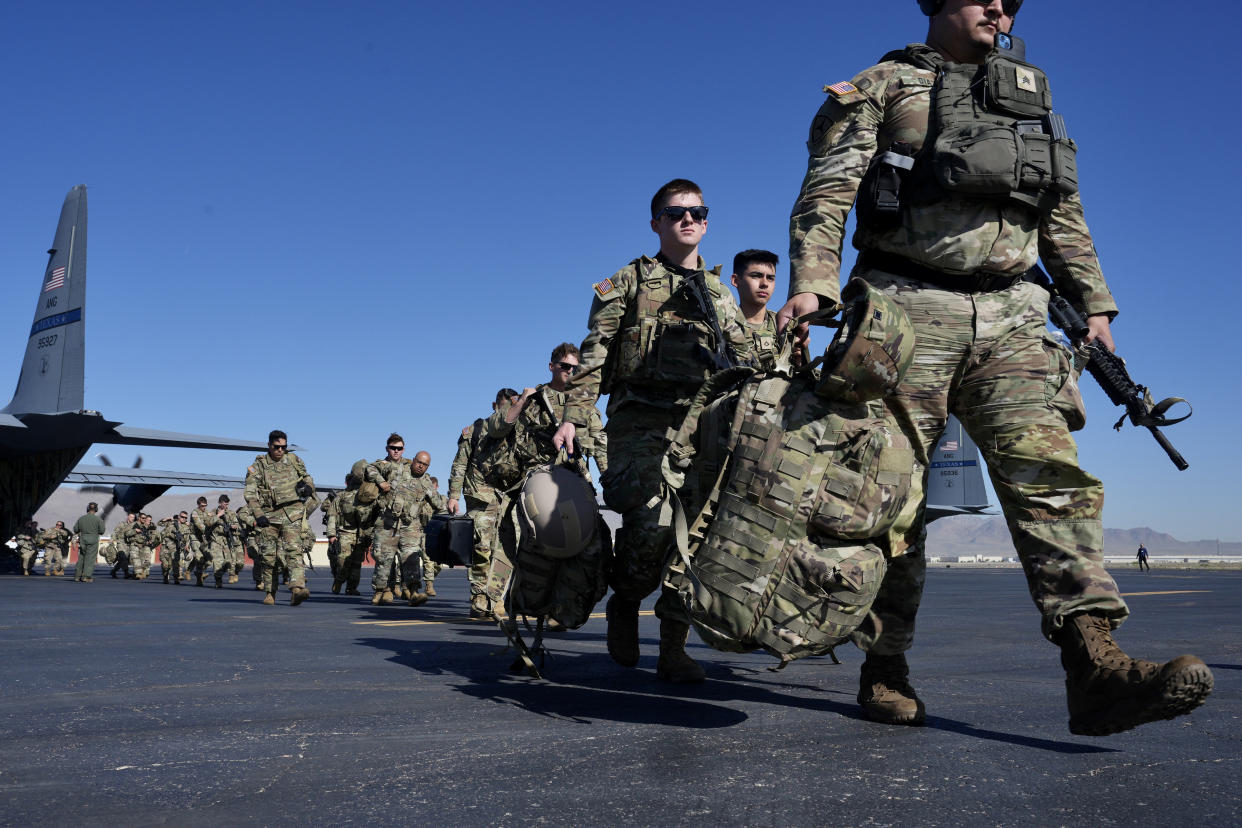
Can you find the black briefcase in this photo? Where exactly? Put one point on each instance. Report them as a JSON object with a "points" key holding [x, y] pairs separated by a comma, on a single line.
{"points": [[450, 540]]}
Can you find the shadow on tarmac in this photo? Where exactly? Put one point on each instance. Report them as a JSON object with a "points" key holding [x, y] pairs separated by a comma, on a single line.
{"points": [[599, 693]]}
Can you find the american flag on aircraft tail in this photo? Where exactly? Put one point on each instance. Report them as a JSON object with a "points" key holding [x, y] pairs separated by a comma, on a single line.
{"points": [[55, 279]]}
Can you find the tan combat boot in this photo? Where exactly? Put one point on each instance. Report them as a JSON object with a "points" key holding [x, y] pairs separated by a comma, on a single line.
{"points": [[1109, 692], [300, 594], [885, 693], [386, 597], [431, 589], [377, 597], [480, 606], [417, 599], [674, 665], [622, 630], [398, 592], [269, 599]]}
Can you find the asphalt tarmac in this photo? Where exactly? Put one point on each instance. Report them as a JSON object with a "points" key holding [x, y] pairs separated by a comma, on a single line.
{"points": [[135, 703]]}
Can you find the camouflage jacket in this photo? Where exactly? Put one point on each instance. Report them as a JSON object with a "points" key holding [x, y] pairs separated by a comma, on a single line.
{"points": [[464, 477], [230, 528], [890, 102], [176, 536], [385, 470], [143, 536], [421, 500], [763, 341], [527, 441], [121, 534], [202, 521], [58, 538], [27, 539], [348, 517], [272, 484], [647, 343]]}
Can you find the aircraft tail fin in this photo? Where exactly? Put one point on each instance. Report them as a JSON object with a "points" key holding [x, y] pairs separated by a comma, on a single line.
{"points": [[955, 481], [53, 371]]}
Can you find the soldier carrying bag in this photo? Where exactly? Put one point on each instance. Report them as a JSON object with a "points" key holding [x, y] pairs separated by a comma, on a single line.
{"points": [[796, 476]]}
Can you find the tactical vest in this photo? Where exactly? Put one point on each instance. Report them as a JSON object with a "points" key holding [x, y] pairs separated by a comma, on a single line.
{"points": [[664, 342], [993, 134], [782, 555], [278, 480], [504, 461]]}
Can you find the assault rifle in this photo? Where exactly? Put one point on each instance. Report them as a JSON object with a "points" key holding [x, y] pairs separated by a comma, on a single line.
{"points": [[1110, 372], [696, 289]]}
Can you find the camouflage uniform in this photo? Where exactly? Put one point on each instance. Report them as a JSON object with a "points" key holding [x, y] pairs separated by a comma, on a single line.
{"points": [[117, 552], [201, 522], [174, 548], [649, 341], [55, 550], [271, 493], [763, 341], [27, 547], [236, 546], [143, 538], [352, 524], [88, 528], [209, 528], [982, 353], [250, 542], [483, 505], [388, 546], [334, 557]]}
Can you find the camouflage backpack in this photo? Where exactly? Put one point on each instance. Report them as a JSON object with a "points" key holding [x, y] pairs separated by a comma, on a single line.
{"points": [[792, 488]]}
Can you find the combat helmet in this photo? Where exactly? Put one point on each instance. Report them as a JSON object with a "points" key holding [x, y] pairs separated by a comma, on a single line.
{"points": [[557, 510], [933, 7], [871, 352]]}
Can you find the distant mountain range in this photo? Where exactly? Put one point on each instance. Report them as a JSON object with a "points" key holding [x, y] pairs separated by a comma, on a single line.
{"points": [[971, 535], [960, 535]]}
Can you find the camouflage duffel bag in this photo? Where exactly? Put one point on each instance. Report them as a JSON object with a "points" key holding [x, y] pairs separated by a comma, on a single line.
{"points": [[560, 547]]}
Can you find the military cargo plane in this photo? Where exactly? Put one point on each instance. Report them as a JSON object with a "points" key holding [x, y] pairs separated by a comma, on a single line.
{"points": [[955, 481], [45, 430]]}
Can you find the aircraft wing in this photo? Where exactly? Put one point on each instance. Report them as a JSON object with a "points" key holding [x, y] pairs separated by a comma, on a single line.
{"points": [[131, 436], [112, 475]]}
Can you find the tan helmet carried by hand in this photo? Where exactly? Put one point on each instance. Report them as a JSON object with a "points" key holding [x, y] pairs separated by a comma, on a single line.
{"points": [[558, 511], [871, 352], [368, 493]]}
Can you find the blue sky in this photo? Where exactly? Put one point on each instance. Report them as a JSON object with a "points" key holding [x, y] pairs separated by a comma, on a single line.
{"points": [[345, 219]]}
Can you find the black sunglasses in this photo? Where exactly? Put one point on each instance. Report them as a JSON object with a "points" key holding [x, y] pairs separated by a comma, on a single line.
{"points": [[281, 447], [567, 366], [698, 213], [396, 448]]}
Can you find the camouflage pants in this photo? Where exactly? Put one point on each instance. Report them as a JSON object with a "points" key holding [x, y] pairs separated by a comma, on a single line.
{"points": [[140, 560], [29, 555], [218, 552], [54, 559], [384, 547], [409, 560], [171, 561], [485, 517], [988, 359], [636, 441], [237, 557], [353, 553], [280, 548]]}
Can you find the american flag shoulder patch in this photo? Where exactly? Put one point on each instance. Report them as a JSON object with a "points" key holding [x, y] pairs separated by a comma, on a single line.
{"points": [[602, 289], [841, 89]]}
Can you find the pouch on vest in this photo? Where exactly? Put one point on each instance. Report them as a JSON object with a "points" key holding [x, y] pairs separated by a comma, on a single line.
{"points": [[879, 195]]}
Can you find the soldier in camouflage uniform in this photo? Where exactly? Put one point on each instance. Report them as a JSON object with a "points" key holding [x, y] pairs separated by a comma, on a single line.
{"points": [[650, 348], [237, 546], [754, 276], [430, 568], [56, 549], [250, 542], [953, 255], [225, 534], [334, 557], [117, 553], [27, 545], [201, 523], [351, 524], [482, 503], [175, 546], [398, 538], [386, 471], [144, 536], [278, 489]]}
